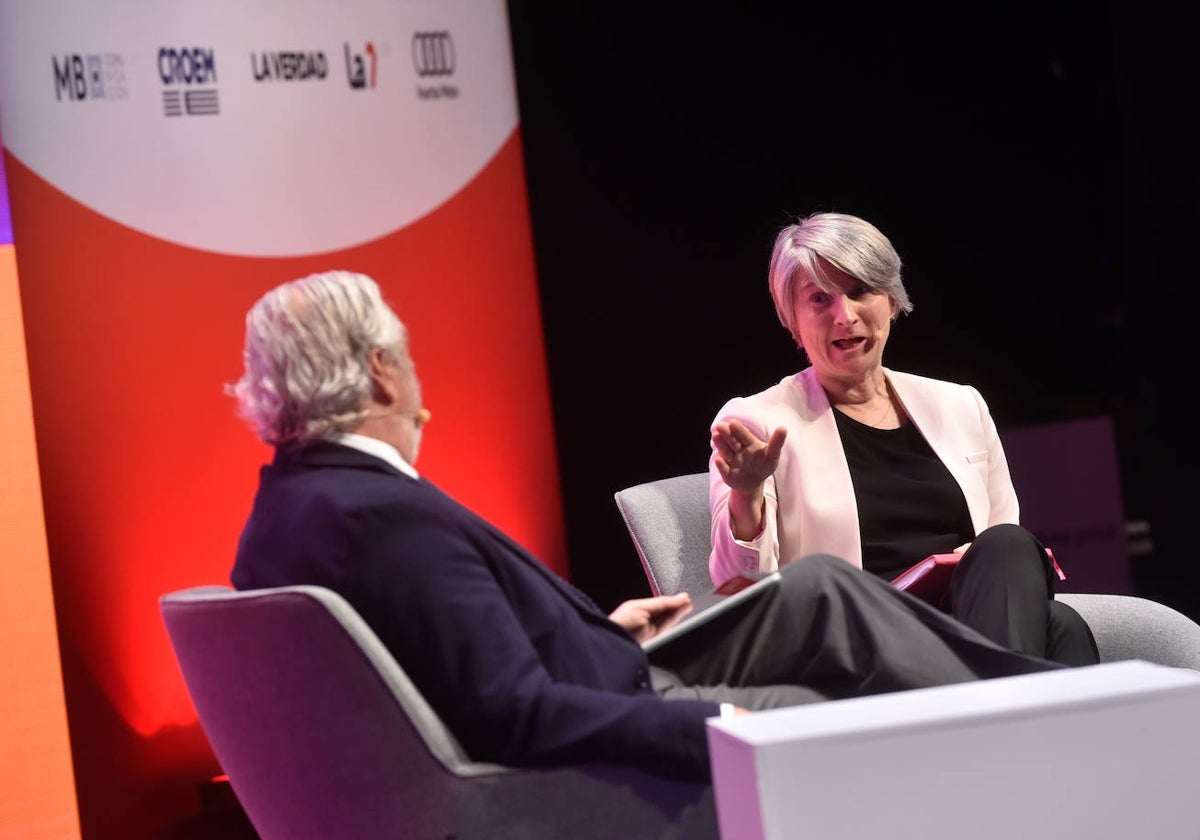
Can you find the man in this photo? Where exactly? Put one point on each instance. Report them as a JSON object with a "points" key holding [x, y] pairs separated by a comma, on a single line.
{"points": [[521, 666]]}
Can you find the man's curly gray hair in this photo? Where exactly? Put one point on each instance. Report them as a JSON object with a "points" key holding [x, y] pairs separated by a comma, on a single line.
{"points": [[306, 366]]}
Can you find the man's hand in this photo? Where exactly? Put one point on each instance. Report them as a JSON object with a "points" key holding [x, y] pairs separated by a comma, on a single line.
{"points": [[645, 618]]}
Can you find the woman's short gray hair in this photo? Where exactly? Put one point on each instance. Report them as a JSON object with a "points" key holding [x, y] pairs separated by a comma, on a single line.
{"points": [[847, 242], [306, 355]]}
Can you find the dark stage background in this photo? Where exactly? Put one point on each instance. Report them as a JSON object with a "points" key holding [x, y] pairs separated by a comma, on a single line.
{"points": [[1033, 163]]}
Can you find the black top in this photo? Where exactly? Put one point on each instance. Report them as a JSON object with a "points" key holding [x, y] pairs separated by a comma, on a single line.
{"points": [[909, 506]]}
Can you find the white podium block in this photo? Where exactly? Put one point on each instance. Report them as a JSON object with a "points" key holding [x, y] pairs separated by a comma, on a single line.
{"points": [[1107, 751]]}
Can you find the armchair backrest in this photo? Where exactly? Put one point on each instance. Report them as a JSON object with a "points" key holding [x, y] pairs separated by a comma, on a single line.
{"points": [[321, 732], [669, 521]]}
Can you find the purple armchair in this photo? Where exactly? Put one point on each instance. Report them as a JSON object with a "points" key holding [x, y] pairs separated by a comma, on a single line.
{"points": [[323, 735]]}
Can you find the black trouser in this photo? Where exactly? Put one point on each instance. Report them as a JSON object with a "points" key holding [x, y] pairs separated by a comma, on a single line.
{"points": [[1004, 587], [828, 631]]}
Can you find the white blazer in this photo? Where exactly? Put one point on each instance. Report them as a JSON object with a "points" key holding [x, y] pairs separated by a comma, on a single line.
{"points": [[810, 505]]}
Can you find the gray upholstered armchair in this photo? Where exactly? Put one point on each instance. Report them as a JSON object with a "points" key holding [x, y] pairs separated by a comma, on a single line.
{"points": [[324, 736], [669, 521]]}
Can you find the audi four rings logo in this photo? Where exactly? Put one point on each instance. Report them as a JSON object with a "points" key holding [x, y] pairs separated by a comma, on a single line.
{"points": [[433, 53]]}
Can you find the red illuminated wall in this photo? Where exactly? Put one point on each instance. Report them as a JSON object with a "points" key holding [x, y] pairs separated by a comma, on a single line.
{"points": [[165, 169], [148, 475]]}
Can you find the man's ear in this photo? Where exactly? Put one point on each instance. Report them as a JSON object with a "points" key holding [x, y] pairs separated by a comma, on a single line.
{"points": [[385, 391]]}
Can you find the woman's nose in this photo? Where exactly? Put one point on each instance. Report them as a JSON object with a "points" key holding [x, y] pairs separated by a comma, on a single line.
{"points": [[843, 310]]}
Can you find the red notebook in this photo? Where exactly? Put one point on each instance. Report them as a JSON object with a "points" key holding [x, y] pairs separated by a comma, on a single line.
{"points": [[930, 578]]}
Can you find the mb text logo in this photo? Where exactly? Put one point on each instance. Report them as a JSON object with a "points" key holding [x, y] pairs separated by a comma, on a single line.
{"points": [[433, 53], [188, 73], [79, 77]]}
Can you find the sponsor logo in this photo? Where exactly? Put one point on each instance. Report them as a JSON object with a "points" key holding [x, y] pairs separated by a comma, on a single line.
{"points": [[289, 66], [190, 76], [433, 54], [435, 60], [360, 67], [95, 76]]}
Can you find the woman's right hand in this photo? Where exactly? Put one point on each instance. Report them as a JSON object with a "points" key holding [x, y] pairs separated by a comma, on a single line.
{"points": [[743, 459]]}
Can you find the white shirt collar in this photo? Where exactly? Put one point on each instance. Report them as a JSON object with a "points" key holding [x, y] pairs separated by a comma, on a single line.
{"points": [[376, 447]]}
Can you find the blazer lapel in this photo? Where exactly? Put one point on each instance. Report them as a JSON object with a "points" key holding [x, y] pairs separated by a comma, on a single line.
{"points": [[829, 517]]}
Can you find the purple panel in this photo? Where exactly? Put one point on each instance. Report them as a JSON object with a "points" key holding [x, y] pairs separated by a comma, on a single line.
{"points": [[5, 217], [1068, 482]]}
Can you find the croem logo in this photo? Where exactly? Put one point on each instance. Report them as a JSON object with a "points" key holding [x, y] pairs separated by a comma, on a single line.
{"points": [[433, 53], [186, 67]]}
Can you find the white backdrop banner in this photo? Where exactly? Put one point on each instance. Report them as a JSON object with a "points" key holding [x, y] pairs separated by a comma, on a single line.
{"points": [[307, 127]]}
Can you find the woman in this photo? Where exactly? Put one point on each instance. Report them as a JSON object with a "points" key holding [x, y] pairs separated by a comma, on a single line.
{"points": [[880, 467]]}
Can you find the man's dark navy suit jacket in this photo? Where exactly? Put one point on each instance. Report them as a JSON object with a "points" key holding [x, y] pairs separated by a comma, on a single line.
{"points": [[522, 667]]}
